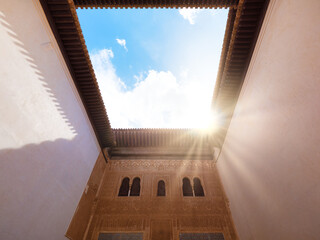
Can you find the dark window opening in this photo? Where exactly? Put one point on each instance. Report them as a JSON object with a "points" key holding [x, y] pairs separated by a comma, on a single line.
{"points": [[186, 187], [198, 189], [120, 236], [161, 188], [202, 236], [124, 188], [135, 188]]}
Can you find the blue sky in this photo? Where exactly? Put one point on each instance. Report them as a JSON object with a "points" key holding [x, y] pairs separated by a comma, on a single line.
{"points": [[155, 67]]}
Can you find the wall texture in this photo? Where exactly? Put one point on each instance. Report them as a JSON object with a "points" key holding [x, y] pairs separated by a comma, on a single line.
{"points": [[157, 217], [269, 163], [47, 145], [79, 224]]}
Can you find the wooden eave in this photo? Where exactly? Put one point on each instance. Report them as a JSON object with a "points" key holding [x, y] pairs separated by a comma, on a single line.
{"points": [[155, 3], [63, 20], [161, 143], [243, 26], [160, 153], [147, 137]]}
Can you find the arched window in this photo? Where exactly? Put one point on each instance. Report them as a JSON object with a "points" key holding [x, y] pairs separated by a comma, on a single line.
{"points": [[186, 187], [135, 188], [161, 188], [198, 189], [124, 188]]}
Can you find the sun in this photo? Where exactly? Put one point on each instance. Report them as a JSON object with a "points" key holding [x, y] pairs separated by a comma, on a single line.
{"points": [[205, 120]]}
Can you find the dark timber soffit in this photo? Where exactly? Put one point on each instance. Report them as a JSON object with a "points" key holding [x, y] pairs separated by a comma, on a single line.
{"points": [[243, 26], [63, 20], [155, 3], [159, 143], [185, 138]]}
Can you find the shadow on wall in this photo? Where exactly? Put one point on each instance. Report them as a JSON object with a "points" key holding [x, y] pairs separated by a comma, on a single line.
{"points": [[42, 183], [50, 84], [40, 188]]}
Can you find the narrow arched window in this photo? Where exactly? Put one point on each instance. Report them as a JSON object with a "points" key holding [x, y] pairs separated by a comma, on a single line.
{"points": [[135, 188], [124, 188], [161, 188], [198, 189], [186, 187]]}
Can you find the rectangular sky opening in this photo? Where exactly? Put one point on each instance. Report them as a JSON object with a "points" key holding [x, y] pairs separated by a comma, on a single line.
{"points": [[156, 68]]}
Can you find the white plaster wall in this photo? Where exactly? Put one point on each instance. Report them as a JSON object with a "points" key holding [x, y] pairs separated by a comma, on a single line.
{"points": [[270, 161], [47, 145]]}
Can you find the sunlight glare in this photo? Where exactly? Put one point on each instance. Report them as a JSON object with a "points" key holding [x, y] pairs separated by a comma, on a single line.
{"points": [[204, 120]]}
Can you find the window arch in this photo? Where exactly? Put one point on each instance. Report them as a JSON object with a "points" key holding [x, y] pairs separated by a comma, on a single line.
{"points": [[135, 188], [186, 187], [161, 188], [124, 188], [198, 189]]}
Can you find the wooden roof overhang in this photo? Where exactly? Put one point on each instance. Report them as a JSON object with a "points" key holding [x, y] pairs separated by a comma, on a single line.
{"points": [[155, 3], [243, 26], [62, 17], [155, 143]]}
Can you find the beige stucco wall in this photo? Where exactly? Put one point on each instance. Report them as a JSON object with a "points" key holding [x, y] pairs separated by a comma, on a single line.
{"points": [[47, 145], [270, 161]]}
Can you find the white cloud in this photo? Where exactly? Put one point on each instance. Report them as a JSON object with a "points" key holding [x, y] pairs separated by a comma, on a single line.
{"points": [[189, 14], [139, 78], [122, 42], [158, 98]]}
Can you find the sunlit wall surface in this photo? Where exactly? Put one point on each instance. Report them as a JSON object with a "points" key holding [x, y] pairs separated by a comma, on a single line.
{"points": [[47, 146], [269, 163]]}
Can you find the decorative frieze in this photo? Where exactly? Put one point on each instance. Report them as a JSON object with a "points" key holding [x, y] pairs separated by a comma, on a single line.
{"points": [[161, 165], [161, 207], [113, 223]]}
